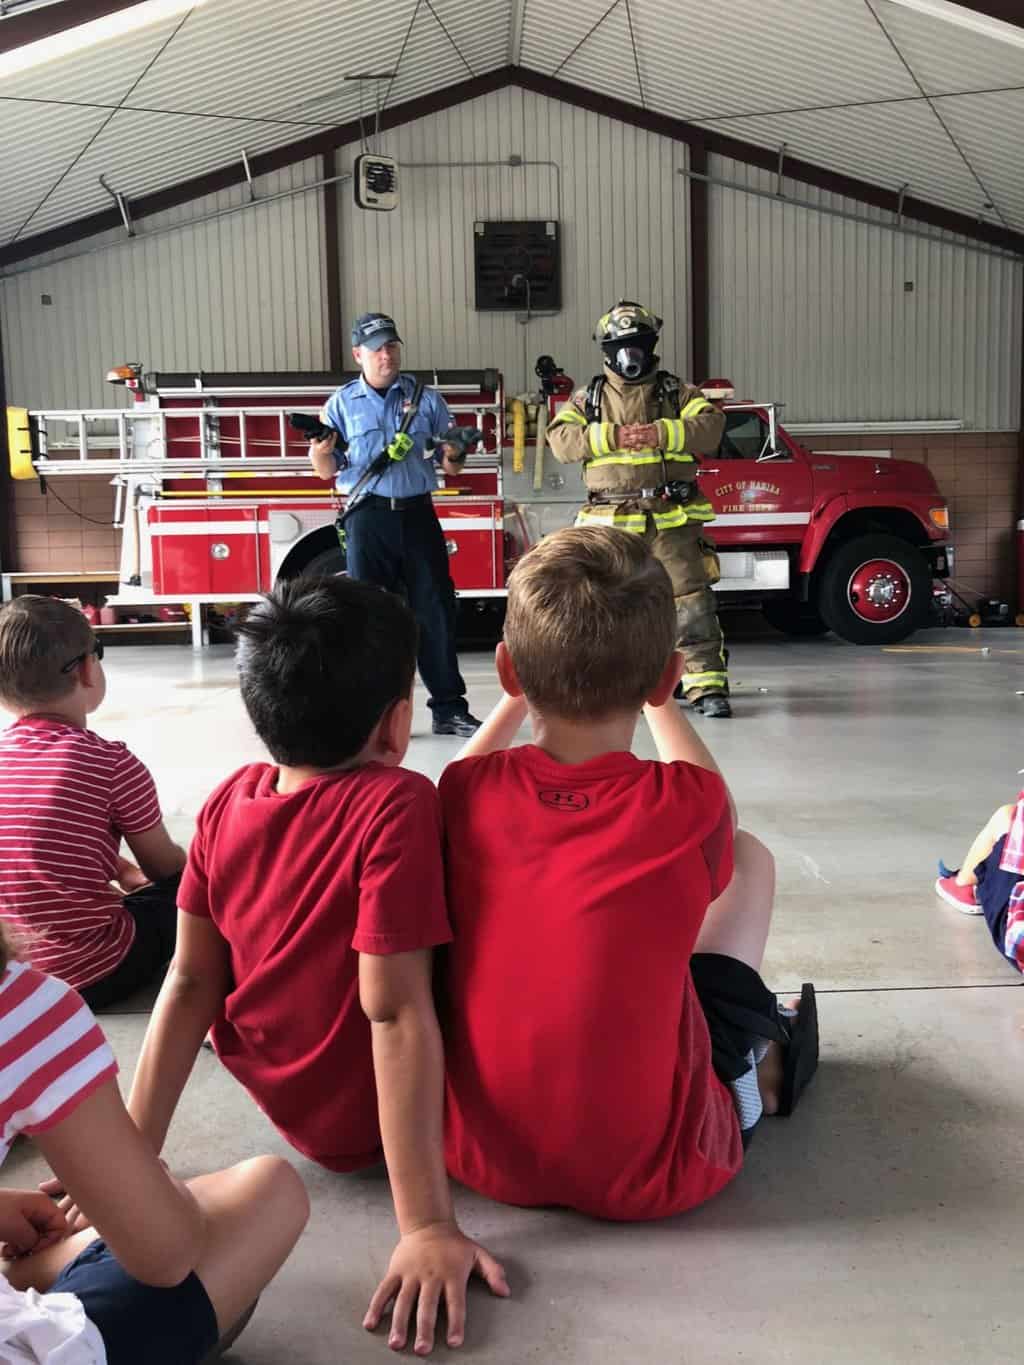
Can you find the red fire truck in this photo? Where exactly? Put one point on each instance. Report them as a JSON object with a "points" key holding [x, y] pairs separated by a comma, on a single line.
{"points": [[217, 501]]}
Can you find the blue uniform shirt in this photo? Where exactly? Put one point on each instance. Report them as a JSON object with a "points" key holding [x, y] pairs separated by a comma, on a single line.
{"points": [[369, 422]]}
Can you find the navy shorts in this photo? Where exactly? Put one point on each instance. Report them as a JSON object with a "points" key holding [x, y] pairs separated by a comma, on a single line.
{"points": [[137, 1321], [994, 890]]}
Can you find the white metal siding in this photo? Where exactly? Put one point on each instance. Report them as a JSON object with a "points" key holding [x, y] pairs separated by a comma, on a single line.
{"points": [[243, 292], [623, 214], [812, 309]]}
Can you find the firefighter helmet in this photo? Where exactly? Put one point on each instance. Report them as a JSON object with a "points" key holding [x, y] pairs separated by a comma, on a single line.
{"points": [[626, 320]]}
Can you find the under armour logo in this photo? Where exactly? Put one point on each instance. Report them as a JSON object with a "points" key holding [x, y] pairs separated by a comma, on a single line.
{"points": [[567, 801]]}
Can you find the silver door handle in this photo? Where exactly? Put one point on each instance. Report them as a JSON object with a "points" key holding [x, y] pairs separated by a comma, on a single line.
{"points": [[705, 470]]}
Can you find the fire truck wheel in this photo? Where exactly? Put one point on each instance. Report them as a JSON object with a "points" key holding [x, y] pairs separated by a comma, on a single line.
{"points": [[793, 617], [326, 564], [875, 590]]}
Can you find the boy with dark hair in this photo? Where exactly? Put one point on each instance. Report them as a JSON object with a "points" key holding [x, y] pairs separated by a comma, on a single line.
{"points": [[309, 909], [67, 798], [610, 1044]]}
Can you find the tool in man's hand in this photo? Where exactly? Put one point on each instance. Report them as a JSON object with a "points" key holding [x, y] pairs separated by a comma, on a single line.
{"points": [[312, 428], [459, 437]]}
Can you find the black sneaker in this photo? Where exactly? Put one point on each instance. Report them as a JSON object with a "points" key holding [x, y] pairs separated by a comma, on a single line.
{"points": [[716, 705], [463, 725]]}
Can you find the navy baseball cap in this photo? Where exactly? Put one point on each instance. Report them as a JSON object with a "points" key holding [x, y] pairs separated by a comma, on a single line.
{"points": [[374, 330]]}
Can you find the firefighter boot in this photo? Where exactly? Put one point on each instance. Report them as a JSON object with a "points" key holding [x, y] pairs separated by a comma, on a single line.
{"points": [[714, 705], [703, 648]]}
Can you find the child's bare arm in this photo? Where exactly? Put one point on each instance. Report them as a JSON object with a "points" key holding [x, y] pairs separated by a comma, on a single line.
{"points": [[156, 852], [150, 1221], [433, 1259], [678, 742], [190, 999], [498, 730]]}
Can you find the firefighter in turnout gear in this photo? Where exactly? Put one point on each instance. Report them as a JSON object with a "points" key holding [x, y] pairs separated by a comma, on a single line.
{"points": [[637, 430]]}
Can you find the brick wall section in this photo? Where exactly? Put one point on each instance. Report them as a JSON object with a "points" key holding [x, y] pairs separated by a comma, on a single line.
{"points": [[48, 535], [979, 473]]}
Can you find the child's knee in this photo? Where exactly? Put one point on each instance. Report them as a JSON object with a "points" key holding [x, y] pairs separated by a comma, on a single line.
{"points": [[752, 857], [274, 1183], [1001, 820]]}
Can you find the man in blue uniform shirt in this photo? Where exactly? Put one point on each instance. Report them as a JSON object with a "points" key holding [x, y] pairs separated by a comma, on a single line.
{"points": [[393, 537]]}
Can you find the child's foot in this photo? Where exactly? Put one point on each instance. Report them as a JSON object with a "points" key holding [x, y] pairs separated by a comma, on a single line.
{"points": [[770, 1070], [964, 898]]}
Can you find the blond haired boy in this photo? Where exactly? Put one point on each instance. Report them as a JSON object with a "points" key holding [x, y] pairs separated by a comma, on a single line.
{"points": [[610, 1045]]}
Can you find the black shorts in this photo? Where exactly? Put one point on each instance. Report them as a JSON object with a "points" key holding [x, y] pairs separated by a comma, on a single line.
{"points": [[994, 890], [741, 1013], [137, 1321]]}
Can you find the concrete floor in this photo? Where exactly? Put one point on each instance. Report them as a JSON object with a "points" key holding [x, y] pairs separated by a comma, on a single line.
{"points": [[882, 1223]]}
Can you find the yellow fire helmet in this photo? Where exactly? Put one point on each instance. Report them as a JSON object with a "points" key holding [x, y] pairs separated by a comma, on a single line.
{"points": [[625, 320]]}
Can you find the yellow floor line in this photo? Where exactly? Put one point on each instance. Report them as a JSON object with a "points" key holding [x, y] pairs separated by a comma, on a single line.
{"points": [[946, 649]]}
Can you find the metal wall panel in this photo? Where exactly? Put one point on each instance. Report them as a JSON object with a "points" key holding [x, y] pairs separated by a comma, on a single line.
{"points": [[813, 310], [244, 292], [623, 215]]}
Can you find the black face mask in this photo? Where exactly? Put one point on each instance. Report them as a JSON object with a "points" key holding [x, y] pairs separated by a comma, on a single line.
{"points": [[630, 359]]}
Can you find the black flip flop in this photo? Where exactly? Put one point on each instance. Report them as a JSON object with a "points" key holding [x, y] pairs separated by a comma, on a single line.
{"points": [[801, 1056]]}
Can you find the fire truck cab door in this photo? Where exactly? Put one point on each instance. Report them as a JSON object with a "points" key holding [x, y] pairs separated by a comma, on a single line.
{"points": [[761, 496]]}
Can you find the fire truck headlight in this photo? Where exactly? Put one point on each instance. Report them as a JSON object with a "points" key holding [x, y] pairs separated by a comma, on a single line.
{"points": [[939, 517]]}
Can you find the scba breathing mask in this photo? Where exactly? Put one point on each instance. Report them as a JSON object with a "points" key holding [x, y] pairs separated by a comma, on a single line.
{"points": [[629, 359]]}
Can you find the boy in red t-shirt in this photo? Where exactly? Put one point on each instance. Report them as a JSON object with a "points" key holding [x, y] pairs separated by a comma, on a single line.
{"points": [[609, 1043], [79, 910], [312, 900]]}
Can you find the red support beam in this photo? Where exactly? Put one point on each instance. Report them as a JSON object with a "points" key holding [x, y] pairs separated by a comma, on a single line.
{"points": [[18, 29], [700, 283], [1009, 11], [767, 158], [7, 546], [579, 97], [261, 164], [332, 266]]}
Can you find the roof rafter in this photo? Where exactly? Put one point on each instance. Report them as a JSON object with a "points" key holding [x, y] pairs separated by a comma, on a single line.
{"points": [[552, 87]]}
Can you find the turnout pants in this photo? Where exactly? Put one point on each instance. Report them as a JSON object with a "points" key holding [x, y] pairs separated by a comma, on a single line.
{"points": [[401, 548], [692, 566]]}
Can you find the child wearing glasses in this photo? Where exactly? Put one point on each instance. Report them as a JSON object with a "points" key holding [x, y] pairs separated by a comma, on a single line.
{"points": [[77, 908]]}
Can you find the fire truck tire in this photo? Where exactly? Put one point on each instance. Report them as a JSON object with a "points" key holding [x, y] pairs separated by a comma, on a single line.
{"points": [[326, 564], [875, 590], [793, 617]]}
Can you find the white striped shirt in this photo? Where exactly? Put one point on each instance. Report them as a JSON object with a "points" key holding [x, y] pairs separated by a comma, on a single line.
{"points": [[52, 1056], [52, 1052], [66, 798]]}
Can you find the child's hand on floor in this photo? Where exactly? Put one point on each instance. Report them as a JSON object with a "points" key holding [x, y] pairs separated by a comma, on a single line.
{"points": [[428, 1265], [29, 1222]]}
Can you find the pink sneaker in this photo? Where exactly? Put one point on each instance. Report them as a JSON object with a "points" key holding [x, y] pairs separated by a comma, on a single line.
{"points": [[965, 898]]}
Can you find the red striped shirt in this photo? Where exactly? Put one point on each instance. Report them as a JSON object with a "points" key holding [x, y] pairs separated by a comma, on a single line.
{"points": [[52, 1052], [66, 798]]}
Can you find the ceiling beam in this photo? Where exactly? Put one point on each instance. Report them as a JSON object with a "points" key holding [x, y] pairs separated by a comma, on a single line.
{"points": [[678, 130], [948, 220], [1009, 11], [210, 182], [18, 29]]}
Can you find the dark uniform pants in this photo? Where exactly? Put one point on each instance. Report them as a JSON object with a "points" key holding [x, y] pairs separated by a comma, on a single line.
{"points": [[403, 550]]}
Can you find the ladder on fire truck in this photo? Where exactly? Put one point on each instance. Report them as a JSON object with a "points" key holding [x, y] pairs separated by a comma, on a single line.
{"points": [[211, 438]]}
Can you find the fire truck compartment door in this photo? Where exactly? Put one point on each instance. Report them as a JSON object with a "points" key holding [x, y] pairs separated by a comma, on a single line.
{"points": [[205, 550], [474, 534]]}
